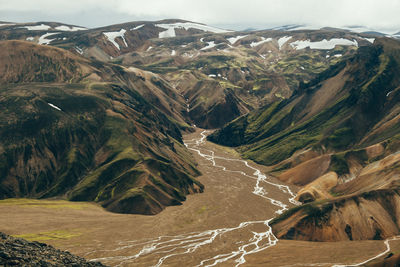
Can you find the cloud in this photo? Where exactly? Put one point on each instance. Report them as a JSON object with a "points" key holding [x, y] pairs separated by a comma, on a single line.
{"points": [[381, 14]]}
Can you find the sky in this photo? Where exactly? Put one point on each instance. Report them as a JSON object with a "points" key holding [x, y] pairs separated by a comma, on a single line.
{"points": [[230, 14]]}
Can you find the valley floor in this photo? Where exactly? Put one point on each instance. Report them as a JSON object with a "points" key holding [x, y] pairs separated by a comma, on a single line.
{"points": [[207, 229]]}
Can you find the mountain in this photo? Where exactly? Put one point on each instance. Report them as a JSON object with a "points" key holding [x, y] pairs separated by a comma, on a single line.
{"points": [[229, 74], [97, 114], [338, 138], [85, 130], [222, 74], [102, 43]]}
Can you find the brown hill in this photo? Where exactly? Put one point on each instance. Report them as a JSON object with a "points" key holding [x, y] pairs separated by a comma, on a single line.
{"points": [[371, 215], [23, 62]]}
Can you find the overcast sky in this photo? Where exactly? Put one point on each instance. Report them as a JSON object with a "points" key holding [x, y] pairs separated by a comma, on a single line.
{"points": [[376, 14]]}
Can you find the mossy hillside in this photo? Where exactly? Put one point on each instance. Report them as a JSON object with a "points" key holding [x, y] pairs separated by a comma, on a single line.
{"points": [[93, 148], [41, 136], [275, 132], [284, 138], [27, 62]]}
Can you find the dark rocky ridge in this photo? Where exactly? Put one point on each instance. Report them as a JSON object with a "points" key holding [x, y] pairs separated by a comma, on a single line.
{"points": [[20, 252]]}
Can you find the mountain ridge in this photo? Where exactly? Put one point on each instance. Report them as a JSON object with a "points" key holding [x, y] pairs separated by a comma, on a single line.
{"points": [[76, 138]]}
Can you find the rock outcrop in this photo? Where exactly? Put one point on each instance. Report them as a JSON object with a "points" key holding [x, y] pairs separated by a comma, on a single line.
{"points": [[20, 252]]}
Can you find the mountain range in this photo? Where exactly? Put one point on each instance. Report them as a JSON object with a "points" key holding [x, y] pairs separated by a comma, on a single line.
{"points": [[98, 115]]}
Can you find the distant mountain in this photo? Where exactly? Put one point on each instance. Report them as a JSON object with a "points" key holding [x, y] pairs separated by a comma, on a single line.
{"points": [[354, 28], [105, 41]]}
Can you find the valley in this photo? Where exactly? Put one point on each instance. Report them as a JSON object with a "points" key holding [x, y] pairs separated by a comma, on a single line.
{"points": [[215, 226], [153, 143]]}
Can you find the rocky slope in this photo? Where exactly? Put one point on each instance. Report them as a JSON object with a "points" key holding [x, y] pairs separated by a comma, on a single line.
{"points": [[338, 138], [89, 132], [20, 252], [371, 215], [364, 207]]}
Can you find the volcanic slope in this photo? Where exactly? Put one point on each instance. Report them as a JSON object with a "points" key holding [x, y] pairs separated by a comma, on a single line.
{"points": [[222, 74], [338, 137], [84, 130], [225, 75]]}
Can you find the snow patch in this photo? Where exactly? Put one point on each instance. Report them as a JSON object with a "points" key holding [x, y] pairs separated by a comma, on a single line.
{"points": [[54, 106], [263, 40], [79, 50], [6, 24], [44, 41], [338, 55], [173, 53], [209, 45], [137, 27], [190, 55], [283, 40], [167, 34], [66, 28], [233, 40], [112, 35], [30, 38], [371, 40], [212, 75], [170, 28], [324, 44], [41, 27], [148, 49]]}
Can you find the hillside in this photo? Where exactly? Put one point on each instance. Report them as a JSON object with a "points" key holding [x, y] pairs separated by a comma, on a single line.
{"points": [[289, 133], [89, 132], [369, 216], [348, 106], [338, 138]]}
